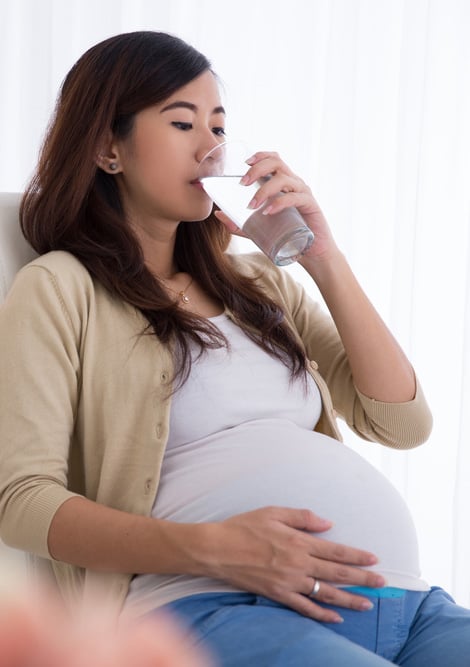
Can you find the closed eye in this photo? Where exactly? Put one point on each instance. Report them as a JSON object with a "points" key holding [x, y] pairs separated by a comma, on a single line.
{"points": [[182, 126]]}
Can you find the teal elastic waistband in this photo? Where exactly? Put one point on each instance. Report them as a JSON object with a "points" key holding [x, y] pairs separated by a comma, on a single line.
{"points": [[385, 592]]}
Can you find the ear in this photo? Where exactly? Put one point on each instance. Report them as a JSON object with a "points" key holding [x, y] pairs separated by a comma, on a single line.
{"points": [[107, 158]]}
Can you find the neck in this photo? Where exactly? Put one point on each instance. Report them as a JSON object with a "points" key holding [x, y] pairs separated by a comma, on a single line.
{"points": [[158, 250]]}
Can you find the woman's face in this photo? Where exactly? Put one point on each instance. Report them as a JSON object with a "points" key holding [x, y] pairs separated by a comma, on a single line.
{"points": [[159, 160]]}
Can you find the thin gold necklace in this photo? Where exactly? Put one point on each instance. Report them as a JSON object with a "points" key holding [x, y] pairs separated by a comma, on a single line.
{"points": [[183, 297]]}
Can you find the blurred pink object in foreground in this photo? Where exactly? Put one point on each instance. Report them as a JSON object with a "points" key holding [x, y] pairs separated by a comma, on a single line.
{"points": [[40, 633]]}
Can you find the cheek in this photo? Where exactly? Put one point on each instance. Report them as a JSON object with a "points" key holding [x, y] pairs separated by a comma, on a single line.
{"points": [[148, 160], [147, 171], [144, 153]]}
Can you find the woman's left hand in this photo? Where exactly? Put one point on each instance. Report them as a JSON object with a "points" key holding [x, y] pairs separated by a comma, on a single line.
{"points": [[296, 193]]}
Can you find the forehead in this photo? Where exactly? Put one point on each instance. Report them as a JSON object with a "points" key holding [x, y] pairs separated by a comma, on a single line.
{"points": [[203, 92]]}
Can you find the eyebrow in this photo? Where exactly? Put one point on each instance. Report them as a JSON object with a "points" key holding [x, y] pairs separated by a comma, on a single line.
{"points": [[190, 106]]}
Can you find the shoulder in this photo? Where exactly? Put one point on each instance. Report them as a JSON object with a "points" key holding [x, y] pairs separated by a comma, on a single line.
{"points": [[57, 272], [60, 264], [55, 284]]}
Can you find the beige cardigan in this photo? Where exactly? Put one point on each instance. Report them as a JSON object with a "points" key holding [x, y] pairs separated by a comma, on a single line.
{"points": [[83, 407]]}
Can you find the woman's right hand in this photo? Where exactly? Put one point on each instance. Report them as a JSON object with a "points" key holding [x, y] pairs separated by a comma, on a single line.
{"points": [[271, 552]]}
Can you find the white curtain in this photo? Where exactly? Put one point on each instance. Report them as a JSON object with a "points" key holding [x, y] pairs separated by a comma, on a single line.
{"points": [[369, 100]]}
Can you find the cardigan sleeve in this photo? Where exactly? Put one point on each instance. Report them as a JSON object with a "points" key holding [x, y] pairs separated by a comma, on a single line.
{"points": [[397, 425], [39, 385]]}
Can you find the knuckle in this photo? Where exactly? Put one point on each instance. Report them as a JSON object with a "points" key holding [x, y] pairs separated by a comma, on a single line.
{"points": [[295, 542], [329, 597], [349, 601], [310, 609], [342, 574], [276, 591], [340, 552], [304, 610], [370, 579], [271, 512], [322, 615], [306, 515]]}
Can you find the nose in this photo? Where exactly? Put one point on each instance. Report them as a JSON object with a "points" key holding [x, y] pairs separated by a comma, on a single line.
{"points": [[206, 148], [212, 163]]}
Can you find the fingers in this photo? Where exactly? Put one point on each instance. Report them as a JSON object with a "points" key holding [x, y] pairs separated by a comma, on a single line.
{"points": [[306, 520], [271, 189], [303, 605], [231, 226], [346, 575], [335, 572], [302, 201], [301, 519], [274, 552], [263, 163], [327, 594], [329, 561], [332, 561], [343, 565], [339, 597], [340, 553], [281, 178]]}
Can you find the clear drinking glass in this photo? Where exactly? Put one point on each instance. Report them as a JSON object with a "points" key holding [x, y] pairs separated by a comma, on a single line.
{"points": [[282, 236]]}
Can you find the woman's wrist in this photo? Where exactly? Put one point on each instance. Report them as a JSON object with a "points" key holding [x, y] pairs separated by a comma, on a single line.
{"points": [[325, 267], [186, 548]]}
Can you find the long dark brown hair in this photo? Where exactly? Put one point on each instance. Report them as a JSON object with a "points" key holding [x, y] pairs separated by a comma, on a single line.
{"points": [[71, 204]]}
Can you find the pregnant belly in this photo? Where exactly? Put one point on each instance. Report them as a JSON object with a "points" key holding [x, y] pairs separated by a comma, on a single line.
{"points": [[276, 463]]}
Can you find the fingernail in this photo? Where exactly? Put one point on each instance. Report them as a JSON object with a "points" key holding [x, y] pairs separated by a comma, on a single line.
{"points": [[337, 619], [379, 582], [367, 605], [267, 210], [251, 160], [244, 180], [325, 522], [253, 203]]}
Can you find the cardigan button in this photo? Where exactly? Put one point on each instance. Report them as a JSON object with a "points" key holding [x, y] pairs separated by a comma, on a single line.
{"points": [[164, 376], [148, 486], [159, 431]]}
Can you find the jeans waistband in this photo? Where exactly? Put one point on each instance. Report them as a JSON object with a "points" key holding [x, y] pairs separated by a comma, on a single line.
{"points": [[385, 592]]}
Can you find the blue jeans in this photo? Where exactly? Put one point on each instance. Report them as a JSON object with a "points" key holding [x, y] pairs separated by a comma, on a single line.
{"points": [[415, 630]]}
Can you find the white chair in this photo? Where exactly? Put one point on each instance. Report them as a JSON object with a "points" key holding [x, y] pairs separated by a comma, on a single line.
{"points": [[15, 252]]}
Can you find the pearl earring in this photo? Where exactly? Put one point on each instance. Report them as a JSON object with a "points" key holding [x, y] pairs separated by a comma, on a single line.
{"points": [[113, 166]]}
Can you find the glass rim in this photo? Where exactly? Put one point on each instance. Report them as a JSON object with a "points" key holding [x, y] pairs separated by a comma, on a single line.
{"points": [[240, 159]]}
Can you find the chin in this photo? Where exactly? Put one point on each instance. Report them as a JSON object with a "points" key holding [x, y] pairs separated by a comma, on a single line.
{"points": [[198, 216]]}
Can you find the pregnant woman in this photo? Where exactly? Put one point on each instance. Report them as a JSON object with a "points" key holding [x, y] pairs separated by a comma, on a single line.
{"points": [[168, 409]]}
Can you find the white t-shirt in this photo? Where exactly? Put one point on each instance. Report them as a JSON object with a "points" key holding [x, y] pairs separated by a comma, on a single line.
{"points": [[241, 438]]}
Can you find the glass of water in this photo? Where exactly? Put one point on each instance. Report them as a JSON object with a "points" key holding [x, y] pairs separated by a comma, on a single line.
{"points": [[282, 236]]}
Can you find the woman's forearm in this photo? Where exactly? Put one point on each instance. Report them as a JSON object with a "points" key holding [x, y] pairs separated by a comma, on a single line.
{"points": [[90, 535], [380, 368]]}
